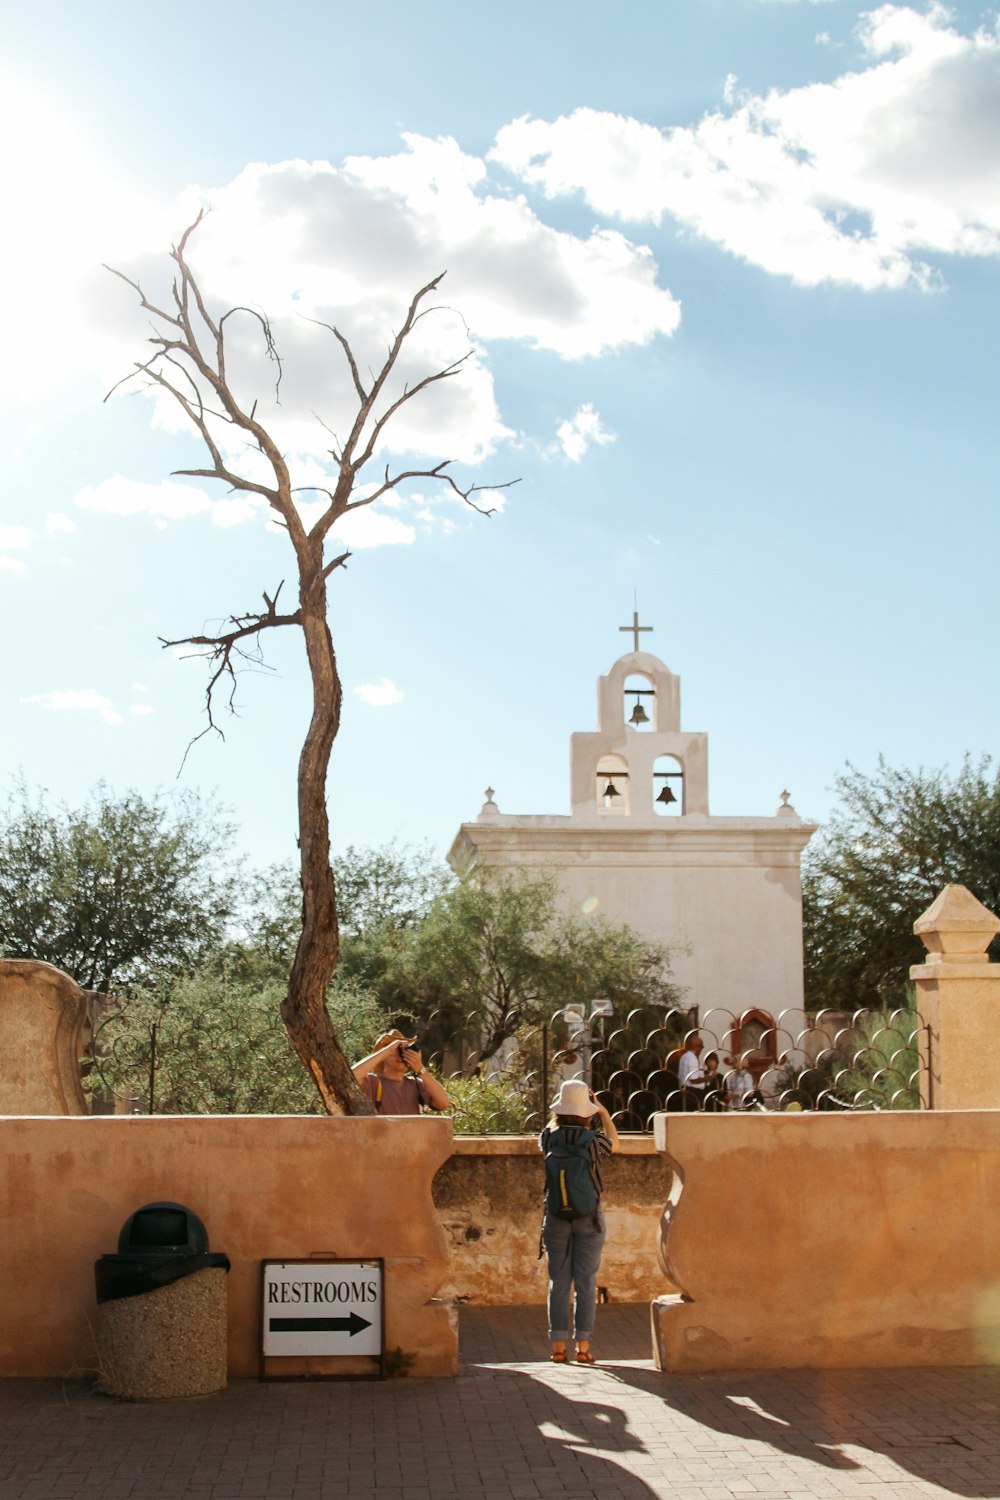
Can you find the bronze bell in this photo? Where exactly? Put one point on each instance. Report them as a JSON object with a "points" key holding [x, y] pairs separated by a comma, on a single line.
{"points": [[639, 715], [666, 795], [611, 790]]}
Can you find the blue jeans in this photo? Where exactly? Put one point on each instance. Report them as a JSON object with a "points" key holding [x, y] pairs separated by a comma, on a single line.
{"points": [[573, 1253]]}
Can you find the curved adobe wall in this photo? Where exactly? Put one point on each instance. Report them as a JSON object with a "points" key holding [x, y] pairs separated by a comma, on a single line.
{"points": [[826, 1240], [266, 1187], [488, 1197]]}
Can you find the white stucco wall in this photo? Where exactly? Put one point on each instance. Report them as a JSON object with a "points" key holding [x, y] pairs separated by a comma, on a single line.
{"points": [[724, 894]]}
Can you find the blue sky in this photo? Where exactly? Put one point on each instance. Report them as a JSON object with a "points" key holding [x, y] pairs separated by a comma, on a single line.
{"points": [[730, 269]]}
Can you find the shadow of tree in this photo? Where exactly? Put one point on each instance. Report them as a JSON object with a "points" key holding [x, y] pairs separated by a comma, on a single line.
{"points": [[939, 1425]]}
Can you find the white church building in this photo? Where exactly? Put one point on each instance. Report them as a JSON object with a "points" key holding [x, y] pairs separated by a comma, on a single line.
{"points": [[640, 846]]}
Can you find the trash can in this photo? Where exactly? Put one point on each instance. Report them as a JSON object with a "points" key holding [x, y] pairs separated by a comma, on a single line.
{"points": [[162, 1301]]}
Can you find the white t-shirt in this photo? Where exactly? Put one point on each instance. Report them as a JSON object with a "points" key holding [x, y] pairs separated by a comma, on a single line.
{"points": [[689, 1074]]}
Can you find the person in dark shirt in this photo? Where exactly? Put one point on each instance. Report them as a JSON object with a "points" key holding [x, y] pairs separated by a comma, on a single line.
{"points": [[394, 1078]]}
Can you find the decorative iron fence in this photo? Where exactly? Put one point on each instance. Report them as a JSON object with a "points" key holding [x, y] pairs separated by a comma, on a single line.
{"points": [[637, 1062], [636, 1065]]}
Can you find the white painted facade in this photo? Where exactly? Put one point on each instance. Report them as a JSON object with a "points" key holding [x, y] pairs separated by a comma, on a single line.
{"points": [[723, 893]]}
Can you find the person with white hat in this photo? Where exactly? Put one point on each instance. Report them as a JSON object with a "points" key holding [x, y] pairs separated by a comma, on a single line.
{"points": [[574, 1228]]}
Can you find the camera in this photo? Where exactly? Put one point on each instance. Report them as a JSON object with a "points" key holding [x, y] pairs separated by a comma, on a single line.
{"points": [[402, 1050]]}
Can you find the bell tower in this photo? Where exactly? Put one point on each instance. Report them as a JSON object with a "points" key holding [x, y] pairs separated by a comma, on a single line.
{"points": [[639, 846], [639, 764]]}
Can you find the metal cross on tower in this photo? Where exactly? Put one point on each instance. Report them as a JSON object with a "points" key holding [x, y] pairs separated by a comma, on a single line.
{"points": [[635, 629]]}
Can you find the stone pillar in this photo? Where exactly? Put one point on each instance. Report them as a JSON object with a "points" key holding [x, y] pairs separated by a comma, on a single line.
{"points": [[42, 1015], [958, 1001]]}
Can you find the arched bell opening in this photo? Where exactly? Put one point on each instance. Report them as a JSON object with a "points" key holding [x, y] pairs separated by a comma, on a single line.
{"points": [[612, 785], [668, 787], [639, 703]]}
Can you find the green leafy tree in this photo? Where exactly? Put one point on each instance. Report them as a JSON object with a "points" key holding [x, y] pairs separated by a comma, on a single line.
{"points": [[117, 891], [379, 891], [209, 1043], [897, 838], [498, 951]]}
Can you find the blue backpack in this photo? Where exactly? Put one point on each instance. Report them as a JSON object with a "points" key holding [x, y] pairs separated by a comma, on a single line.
{"points": [[571, 1190]]}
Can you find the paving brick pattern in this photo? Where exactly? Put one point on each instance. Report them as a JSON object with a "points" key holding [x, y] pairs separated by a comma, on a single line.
{"points": [[514, 1427]]}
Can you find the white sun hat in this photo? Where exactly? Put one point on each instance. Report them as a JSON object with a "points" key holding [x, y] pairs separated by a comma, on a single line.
{"points": [[574, 1099]]}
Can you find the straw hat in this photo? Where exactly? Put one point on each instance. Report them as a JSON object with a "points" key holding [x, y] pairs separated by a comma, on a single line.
{"points": [[389, 1036]]}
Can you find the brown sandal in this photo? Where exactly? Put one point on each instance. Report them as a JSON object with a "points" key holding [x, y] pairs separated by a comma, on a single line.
{"points": [[558, 1356], [584, 1357]]}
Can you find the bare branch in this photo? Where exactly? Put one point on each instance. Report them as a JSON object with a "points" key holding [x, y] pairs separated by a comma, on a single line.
{"points": [[334, 452], [143, 299], [338, 562], [269, 344], [355, 375], [223, 647], [390, 482], [408, 394], [368, 401]]}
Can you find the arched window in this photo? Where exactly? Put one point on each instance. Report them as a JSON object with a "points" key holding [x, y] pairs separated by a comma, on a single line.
{"points": [[612, 785], [756, 1041], [668, 786], [639, 703]]}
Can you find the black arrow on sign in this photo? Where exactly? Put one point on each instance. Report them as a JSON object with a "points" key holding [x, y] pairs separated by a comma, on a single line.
{"points": [[351, 1325]]}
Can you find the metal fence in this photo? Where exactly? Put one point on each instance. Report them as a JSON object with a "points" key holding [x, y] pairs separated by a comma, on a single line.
{"points": [[638, 1062], [635, 1063]]}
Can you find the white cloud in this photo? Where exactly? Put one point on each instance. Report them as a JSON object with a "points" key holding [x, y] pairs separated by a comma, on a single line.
{"points": [[165, 501], [853, 181], [370, 528], [57, 521], [379, 694], [141, 708], [577, 433], [318, 243], [85, 700], [17, 539], [52, 181], [119, 496], [234, 510]]}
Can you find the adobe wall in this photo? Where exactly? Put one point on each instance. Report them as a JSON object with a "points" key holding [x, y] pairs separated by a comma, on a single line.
{"points": [[809, 1240], [831, 1240], [266, 1188], [488, 1198]]}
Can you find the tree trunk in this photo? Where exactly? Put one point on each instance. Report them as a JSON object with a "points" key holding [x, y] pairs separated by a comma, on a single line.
{"points": [[304, 1007]]}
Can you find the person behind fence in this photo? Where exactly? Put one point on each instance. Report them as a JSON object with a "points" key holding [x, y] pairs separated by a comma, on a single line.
{"points": [[690, 1074], [715, 1091], [573, 1226], [739, 1083], [394, 1078]]}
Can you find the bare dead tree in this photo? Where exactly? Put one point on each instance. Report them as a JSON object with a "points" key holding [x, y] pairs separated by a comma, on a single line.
{"points": [[189, 362]]}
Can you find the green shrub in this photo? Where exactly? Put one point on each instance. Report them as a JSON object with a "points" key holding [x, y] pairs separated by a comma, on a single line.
{"points": [[489, 1106]]}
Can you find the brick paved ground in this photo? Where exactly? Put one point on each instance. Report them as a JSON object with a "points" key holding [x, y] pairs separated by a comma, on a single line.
{"points": [[514, 1426]]}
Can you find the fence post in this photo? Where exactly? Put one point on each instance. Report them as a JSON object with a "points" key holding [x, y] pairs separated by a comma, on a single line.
{"points": [[958, 999]]}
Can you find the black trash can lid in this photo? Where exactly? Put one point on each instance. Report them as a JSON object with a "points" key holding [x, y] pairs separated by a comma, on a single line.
{"points": [[165, 1228]]}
